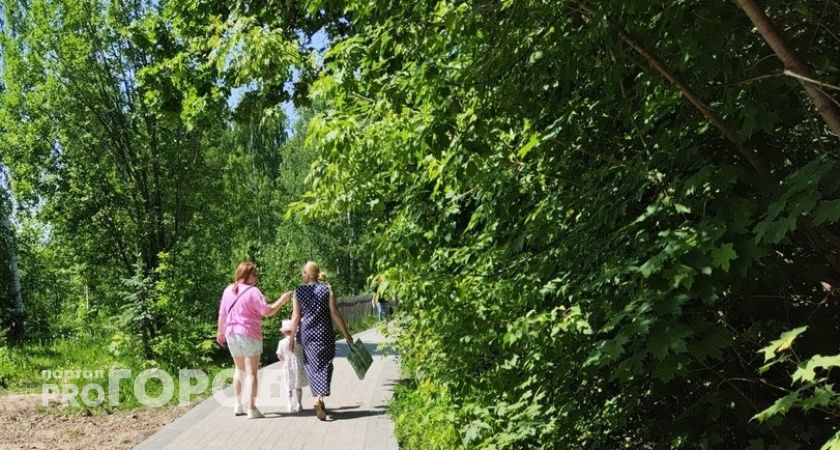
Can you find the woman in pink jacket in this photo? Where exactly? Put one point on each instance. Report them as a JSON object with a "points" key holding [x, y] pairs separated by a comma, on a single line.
{"points": [[240, 326]]}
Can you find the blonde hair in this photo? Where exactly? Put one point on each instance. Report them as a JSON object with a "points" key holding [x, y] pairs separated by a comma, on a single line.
{"points": [[243, 272], [322, 276], [311, 271]]}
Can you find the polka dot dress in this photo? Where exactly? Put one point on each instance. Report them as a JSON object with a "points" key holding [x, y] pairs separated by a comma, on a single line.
{"points": [[316, 335]]}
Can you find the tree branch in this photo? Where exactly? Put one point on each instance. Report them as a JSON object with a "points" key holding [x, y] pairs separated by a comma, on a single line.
{"points": [[824, 103], [811, 80], [755, 160]]}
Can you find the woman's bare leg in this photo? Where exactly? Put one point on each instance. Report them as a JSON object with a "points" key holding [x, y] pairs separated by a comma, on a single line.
{"points": [[238, 373], [252, 366]]}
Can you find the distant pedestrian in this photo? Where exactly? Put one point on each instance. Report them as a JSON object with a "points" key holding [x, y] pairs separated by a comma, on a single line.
{"points": [[378, 301]]}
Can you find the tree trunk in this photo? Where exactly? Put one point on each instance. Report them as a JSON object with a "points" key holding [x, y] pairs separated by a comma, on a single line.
{"points": [[352, 276], [793, 63], [17, 329], [16, 322]]}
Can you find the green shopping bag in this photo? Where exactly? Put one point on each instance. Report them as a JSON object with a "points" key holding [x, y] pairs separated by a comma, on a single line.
{"points": [[359, 358]]}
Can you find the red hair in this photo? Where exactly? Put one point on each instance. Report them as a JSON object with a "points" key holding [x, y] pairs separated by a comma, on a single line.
{"points": [[243, 272]]}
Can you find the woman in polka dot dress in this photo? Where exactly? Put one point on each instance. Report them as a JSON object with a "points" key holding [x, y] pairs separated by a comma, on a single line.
{"points": [[313, 313]]}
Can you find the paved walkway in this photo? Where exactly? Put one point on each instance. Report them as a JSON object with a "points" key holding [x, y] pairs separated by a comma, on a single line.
{"points": [[356, 411]]}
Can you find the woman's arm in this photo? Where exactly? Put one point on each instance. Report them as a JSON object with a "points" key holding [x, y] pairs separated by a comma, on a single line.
{"points": [[281, 302], [220, 330], [220, 327], [295, 322], [336, 317]]}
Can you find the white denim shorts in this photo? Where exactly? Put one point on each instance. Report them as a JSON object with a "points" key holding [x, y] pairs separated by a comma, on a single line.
{"points": [[240, 345]]}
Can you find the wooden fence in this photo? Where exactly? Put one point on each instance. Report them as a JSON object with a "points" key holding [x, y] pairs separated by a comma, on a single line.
{"points": [[355, 308]]}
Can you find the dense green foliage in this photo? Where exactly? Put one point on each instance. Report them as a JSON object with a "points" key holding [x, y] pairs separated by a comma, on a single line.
{"points": [[609, 224], [584, 260], [131, 211], [584, 257]]}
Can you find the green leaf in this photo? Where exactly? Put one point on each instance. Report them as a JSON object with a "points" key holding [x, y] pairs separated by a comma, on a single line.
{"points": [[804, 203], [723, 255], [525, 149], [652, 265], [658, 345], [666, 370], [833, 443], [809, 176], [779, 407], [827, 212], [784, 342], [763, 369], [607, 351], [822, 396], [776, 231], [807, 370]]}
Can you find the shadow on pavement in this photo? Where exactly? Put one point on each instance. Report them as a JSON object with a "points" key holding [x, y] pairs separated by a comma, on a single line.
{"points": [[333, 414], [342, 408], [349, 415]]}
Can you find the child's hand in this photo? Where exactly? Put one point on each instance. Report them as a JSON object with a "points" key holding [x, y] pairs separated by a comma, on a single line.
{"points": [[279, 357]]}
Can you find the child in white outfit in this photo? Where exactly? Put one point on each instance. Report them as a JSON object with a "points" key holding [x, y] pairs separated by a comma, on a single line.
{"points": [[292, 362]]}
